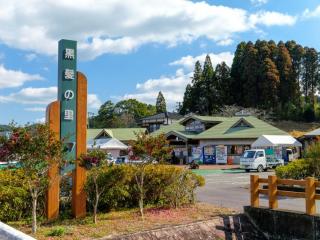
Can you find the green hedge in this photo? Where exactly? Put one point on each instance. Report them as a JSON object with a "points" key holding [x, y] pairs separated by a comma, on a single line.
{"points": [[165, 185], [298, 169], [15, 201], [307, 167]]}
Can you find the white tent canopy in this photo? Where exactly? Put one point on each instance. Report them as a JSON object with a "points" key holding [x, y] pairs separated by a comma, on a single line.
{"points": [[276, 140], [106, 143]]}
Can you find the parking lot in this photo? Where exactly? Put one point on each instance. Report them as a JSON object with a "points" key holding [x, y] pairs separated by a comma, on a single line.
{"points": [[231, 188]]}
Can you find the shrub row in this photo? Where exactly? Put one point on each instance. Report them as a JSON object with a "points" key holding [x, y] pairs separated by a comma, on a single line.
{"points": [[298, 169], [164, 185], [15, 200], [307, 167]]}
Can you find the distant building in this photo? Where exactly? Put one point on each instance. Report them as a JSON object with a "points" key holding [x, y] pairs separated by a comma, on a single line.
{"points": [[154, 122], [115, 141], [215, 139], [125, 135], [310, 138]]}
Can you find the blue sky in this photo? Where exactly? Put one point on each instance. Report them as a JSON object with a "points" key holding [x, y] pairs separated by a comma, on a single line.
{"points": [[132, 49]]}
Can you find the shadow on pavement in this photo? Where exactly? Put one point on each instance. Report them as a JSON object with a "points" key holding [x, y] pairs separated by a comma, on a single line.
{"points": [[239, 227]]}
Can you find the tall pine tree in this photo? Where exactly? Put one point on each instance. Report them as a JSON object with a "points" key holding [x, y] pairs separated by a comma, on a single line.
{"points": [[287, 93], [223, 78], [237, 82], [269, 85], [161, 105], [208, 98], [249, 76]]}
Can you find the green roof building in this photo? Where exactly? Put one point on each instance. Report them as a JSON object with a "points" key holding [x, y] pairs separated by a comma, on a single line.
{"points": [[215, 136], [125, 135]]}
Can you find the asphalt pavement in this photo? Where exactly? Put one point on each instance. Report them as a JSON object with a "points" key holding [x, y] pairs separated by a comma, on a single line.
{"points": [[231, 188]]}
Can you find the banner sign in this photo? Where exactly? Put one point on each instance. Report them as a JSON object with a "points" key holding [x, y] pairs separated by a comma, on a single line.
{"points": [[67, 95]]}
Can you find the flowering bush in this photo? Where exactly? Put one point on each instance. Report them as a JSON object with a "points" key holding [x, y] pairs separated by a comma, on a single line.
{"points": [[36, 148], [93, 158]]}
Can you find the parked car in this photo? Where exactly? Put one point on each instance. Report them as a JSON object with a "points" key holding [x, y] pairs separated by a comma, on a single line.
{"points": [[122, 159], [256, 159]]}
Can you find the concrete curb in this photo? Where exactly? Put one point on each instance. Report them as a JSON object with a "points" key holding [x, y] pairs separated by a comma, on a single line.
{"points": [[10, 233]]}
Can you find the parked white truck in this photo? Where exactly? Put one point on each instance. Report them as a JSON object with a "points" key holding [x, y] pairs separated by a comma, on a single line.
{"points": [[256, 159]]}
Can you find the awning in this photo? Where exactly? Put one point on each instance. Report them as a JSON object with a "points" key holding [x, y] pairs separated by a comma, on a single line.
{"points": [[276, 140], [106, 143], [313, 133]]}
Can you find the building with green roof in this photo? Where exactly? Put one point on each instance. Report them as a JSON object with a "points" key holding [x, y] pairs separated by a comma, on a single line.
{"points": [[211, 136], [125, 135]]}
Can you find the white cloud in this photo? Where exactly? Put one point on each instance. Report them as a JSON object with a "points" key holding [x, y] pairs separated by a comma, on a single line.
{"points": [[35, 109], [93, 101], [32, 95], [40, 120], [271, 19], [31, 56], [172, 87], [225, 42], [12, 78], [258, 2], [42, 96], [189, 61], [115, 26], [311, 13]]}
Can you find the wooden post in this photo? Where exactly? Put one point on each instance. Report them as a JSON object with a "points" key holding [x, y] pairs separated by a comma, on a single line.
{"points": [[53, 194], [272, 192], [254, 190], [310, 196], [79, 174]]}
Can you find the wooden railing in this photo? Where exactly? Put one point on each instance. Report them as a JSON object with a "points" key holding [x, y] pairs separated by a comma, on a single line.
{"points": [[309, 184]]}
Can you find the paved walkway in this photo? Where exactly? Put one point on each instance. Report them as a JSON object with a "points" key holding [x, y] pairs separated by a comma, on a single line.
{"points": [[230, 188], [225, 227]]}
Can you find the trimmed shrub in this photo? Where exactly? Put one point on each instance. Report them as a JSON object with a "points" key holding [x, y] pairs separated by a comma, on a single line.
{"points": [[15, 200], [298, 169], [165, 185], [307, 167]]}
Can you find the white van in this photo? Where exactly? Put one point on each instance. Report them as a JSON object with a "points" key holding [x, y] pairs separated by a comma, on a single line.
{"points": [[255, 159]]}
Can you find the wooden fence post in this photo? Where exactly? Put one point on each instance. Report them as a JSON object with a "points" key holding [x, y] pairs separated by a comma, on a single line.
{"points": [[254, 190], [310, 196], [272, 192]]}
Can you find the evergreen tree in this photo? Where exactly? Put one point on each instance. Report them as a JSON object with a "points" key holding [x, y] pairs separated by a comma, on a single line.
{"points": [[287, 93], [249, 75], [223, 78], [208, 98], [161, 105], [187, 101], [270, 84], [195, 91], [310, 81], [237, 82], [296, 52]]}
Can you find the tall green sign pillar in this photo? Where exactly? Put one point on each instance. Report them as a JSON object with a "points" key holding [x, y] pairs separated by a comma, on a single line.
{"points": [[67, 117], [67, 95]]}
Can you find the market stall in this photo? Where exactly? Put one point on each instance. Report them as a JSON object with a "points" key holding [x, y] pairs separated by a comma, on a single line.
{"points": [[281, 146]]}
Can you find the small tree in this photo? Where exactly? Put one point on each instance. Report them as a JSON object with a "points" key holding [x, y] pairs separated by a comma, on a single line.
{"points": [[148, 149], [161, 105], [95, 162], [36, 148]]}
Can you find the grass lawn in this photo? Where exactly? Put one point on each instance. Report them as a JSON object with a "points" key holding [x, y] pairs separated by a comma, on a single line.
{"points": [[123, 222]]}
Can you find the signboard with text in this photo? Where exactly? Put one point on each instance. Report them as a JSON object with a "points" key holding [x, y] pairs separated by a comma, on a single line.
{"points": [[67, 95]]}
